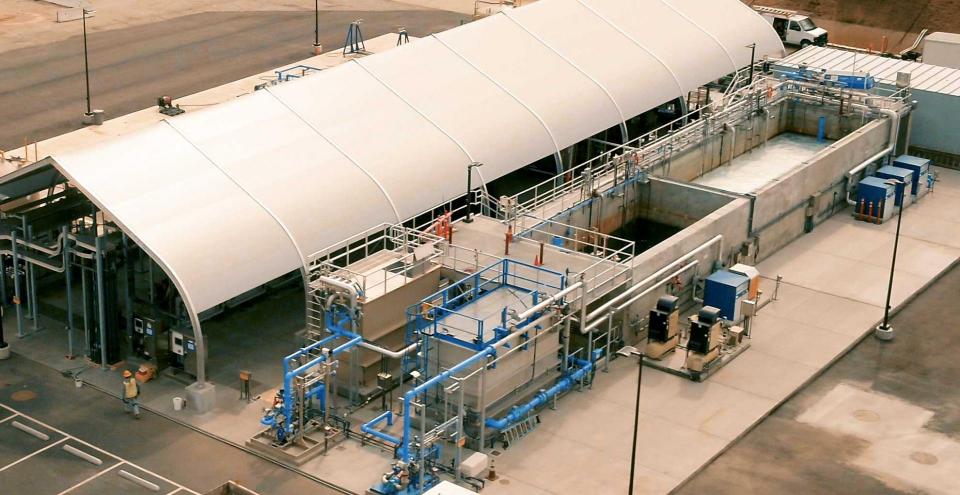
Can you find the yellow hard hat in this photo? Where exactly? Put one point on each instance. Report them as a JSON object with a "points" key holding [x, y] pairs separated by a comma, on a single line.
{"points": [[127, 374]]}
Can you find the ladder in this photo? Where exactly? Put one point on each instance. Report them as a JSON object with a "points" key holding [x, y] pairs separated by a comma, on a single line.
{"points": [[514, 433], [774, 10]]}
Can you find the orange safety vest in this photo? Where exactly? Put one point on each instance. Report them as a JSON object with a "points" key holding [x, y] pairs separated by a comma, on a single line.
{"points": [[130, 388]]}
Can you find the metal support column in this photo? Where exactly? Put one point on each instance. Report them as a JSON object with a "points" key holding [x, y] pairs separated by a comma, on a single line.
{"points": [[3, 280], [483, 408], [583, 317], [101, 306], [130, 280], [16, 285], [460, 436], [86, 309], [606, 355], [67, 269], [32, 285]]}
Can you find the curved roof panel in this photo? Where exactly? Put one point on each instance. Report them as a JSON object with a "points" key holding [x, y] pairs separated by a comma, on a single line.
{"points": [[207, 233], [230, 197], [499, 151]]}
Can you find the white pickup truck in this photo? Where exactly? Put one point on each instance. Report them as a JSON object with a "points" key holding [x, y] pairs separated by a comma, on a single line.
{"points": [[794, 28]]}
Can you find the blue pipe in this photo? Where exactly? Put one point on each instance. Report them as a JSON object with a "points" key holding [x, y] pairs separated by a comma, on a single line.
{"points": [[289, 375], [368, 427], [304, 350], [404, 450], [519, 413]]}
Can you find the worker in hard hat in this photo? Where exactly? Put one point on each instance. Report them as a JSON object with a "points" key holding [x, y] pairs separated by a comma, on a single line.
{"points": [[130, 394]]}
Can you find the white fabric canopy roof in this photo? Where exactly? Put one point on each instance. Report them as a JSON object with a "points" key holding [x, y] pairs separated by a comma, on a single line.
{"points": [[231, 197]]}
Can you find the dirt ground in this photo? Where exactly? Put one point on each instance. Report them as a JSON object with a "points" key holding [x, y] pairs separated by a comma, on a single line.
{"points": [[864, 23]]}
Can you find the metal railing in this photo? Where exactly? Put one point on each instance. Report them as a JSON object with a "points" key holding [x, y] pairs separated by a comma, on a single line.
{"points": [[574, 186], [435, 311], [403, 246], [613, 255]]}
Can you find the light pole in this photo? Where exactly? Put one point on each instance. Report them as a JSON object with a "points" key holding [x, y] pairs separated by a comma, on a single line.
{"points": [[470, 168], [86, 63], [317, 49], [632, 351], [91, 116], [884, 331]]}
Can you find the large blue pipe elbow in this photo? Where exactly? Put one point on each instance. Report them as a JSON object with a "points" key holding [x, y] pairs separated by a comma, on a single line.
{"points": [[381, 435], [521, 412], [368, 428]]}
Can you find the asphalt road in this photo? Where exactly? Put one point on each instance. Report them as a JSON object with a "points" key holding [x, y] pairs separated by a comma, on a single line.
{"points": [[42, 88], [156, 444]]}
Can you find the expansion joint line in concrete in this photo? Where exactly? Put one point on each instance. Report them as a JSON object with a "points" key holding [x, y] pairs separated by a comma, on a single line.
{"points": [[503, 88], [663, 63], [616, 106], [340, 150], [455, 141]]}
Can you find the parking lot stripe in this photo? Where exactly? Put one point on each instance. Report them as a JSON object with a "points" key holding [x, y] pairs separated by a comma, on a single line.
{"points": [[54, 444], [78, 485], [8, 418], [94, 447]]}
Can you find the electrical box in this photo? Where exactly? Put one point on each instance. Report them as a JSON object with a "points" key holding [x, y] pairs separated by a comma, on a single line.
{"points": [[753, 274], [725, 290], [183, 350], [922, 177], [150, 342], [176, 343], [903, 195], [874, 196]]}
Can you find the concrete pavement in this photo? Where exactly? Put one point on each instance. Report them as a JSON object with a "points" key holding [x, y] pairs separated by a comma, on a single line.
{"points": [[882, 419]]}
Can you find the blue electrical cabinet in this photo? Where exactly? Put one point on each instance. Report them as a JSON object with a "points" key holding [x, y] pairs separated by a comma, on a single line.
{"points": [[725, 291], [921, 170], [905, 176], [873, 196]]}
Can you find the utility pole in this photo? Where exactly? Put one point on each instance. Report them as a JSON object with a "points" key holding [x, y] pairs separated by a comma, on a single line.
{"points": [[753, 58]]}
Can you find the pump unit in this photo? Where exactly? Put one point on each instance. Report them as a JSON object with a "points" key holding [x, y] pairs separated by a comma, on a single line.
{"points": [[662, 336], [705, 339], [922, 178], [726, 291], [874, 195], [903, 190]]}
